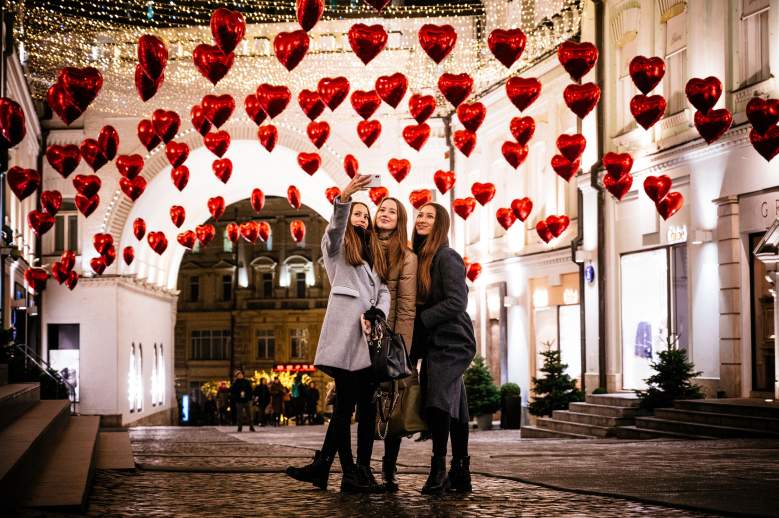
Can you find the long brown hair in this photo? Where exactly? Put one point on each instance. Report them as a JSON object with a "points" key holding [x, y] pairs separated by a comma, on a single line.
{"points": [[437, 238], [397, 244], [352, 245]]}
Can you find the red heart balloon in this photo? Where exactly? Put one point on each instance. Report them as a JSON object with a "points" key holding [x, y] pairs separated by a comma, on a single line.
{"points": [[147, 135], [378, 4], [331, 193], [365, 103], [514, 153], [392, 88], [166, 124], [703, 93], [212, 62], [646, 73], [571, 146], [309, 162], [465, 141], [12, 123], [318, 132], [763, 113], [139, 228], [647, 110], [59, 272], [223, 169], [437, 40], [377, 194], [87, 204], [618, 187], [217, 142], [367, 41], [98, 265], [311, 103], [268, 136], [61, 104], [399, 168], [333, 90], [298, 230], [92, 154], [264, 230], [564, 168], [656, 187], [51, 201], [273, 99], [473, 271], [177, 153], [205, 233], [557, 224], [416, 135], [420, 197], [129, 166], [309, 12], [216, 206], [421, 107], [187, 239], [293, 197], [713, 124], [507, 45], [133, 188], [577, 58], [291, 48], [617, 164], [228, 28], [257, 199], [444, 180], [109, 256], [767, 144], [180, 177], [455, 87], [157, 241], [199, 121], [81, 84], [102, 241], [23, 182], [68, 260], [253, 109], [233, 232], [471, 115], [522, 129], [483, 192], [218, 108], [108, 140], [87, 184], [145, 85], [522, 208], [369, 131], [64, 159], [463, 207], [505, 217], [36, 279], [670, 205], [177, 215], [581, 99], [128, 255], [152, 56], [40, 221], [72, 281], [250, 231], [522, 92], [351, 166]]}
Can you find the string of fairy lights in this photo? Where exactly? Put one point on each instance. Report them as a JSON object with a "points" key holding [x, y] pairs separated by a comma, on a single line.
{"points": [[105, 35]]}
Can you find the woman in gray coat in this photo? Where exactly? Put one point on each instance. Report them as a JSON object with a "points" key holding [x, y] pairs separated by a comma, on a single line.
{"points": [[444, 341], [356, 292]]}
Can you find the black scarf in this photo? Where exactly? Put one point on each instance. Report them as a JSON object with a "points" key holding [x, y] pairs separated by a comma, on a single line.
{"points": [[419, 242], [365, 249]]}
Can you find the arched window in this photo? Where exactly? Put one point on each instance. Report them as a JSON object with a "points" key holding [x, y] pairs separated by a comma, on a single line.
{"points": [[135, 378], [297, 273], [265, 269]]}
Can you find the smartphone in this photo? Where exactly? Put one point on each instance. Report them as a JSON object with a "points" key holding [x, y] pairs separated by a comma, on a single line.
{"points": [[375, 181]]}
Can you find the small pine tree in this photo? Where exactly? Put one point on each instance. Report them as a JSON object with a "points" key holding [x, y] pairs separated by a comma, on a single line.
{"points": [[483, 395], [672, 379], [556, 390]]}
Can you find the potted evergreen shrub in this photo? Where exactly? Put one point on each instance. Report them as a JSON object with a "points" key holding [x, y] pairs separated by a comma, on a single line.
{"points": [[672, 379], [483, 395], [510, 407], [556, 390]]}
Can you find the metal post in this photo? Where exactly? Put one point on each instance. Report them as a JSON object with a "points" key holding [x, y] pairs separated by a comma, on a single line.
{"points": [[7, 31]]}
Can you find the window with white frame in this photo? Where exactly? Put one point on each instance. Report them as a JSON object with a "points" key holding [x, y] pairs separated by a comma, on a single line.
{"points": [[675, 63], [266, 344], [298, 343], [135, 378], [66, 228], [754, 35], [210, 344], [625, 87]]}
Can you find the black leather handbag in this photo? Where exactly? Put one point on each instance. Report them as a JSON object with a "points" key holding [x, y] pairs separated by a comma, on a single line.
{"points": [[389, 360]]}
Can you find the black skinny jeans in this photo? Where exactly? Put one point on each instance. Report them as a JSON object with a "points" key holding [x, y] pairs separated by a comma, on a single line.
{"points": [[353, 389]]}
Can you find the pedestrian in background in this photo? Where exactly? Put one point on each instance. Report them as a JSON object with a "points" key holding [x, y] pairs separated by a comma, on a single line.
{"points": [[261, 400], [241, 392], [276, 400], [312, 403]]}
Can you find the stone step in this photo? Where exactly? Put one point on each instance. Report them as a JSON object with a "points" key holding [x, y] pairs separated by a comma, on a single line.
{"points": [[533, 432], [3, 374], [64, 478], [745, 407], [624, 399], [26, 442], [605, 410], [655, 423], [719, 419], [16, 399], [114, 450], [633, 432], [569, 427], [596, 420]]}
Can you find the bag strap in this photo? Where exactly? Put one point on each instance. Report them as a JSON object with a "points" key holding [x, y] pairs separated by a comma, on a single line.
{"points": [[384, 419]]}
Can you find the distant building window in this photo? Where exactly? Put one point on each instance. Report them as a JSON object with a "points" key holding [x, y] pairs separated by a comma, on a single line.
{"points": [[194, 288], [298, 343], [266, 344], [227, 287], [227, 245], [754, 43], [267, 285], [675, 63], [625, 88], [300, 285], [210, 344], [66, 228]]}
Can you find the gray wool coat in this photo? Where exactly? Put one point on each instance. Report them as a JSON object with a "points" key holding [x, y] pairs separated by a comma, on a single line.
{"points": [[342, 344]]}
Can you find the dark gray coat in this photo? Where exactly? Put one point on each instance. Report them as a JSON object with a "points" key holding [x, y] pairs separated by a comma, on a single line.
{"points": [[445, 342]]}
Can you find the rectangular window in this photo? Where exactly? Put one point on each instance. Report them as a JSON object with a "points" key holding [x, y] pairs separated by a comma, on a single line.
{"points": [[227, 287], [267, 285], [754, 45], [266, 344], [66, 228], [300, 285], [298, 343], [210, 344], [625, 87], [675, 63], [194, 288]]}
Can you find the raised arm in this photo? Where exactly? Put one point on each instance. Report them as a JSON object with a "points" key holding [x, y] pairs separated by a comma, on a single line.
{"points": [[455, 299], [336, 229]]}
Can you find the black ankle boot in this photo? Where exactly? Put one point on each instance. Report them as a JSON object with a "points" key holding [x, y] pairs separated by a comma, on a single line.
{"points": [[316, 473], [437, 482], [355, 480], [460, 475], [388, 471]]}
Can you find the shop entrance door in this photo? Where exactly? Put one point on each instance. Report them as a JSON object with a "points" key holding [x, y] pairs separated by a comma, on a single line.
{"points": [[762, 309]]}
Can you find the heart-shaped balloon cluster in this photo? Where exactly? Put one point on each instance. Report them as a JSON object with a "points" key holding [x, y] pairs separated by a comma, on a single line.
{"points": [[215, 61], [73, 92], [703, 94], [667, 202], [552, 227], [646, 73], [35, 278], [62, 270], [618, 179], [104, 246], [763, 114], [150, 70], [568, 162]]}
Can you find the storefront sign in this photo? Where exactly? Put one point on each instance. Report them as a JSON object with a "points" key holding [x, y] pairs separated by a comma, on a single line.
{"points": [[294, 367], [677, 234], [758, 212]]}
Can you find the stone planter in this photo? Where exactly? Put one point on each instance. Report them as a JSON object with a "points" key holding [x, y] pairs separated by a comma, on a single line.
{"points": [[484, 422]]}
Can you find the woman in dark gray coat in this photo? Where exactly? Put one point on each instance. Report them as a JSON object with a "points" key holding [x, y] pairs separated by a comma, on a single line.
{"points": [[444, 341]]}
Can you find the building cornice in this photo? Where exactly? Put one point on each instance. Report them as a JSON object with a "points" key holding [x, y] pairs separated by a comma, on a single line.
{"points": [[131, 283]]}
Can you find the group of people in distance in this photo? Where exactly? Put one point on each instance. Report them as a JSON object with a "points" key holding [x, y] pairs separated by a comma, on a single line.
{"points": [[419, 287]]}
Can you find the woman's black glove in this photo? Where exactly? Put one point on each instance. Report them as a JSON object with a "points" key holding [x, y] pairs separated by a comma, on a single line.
{"points": [[374, 314]]}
